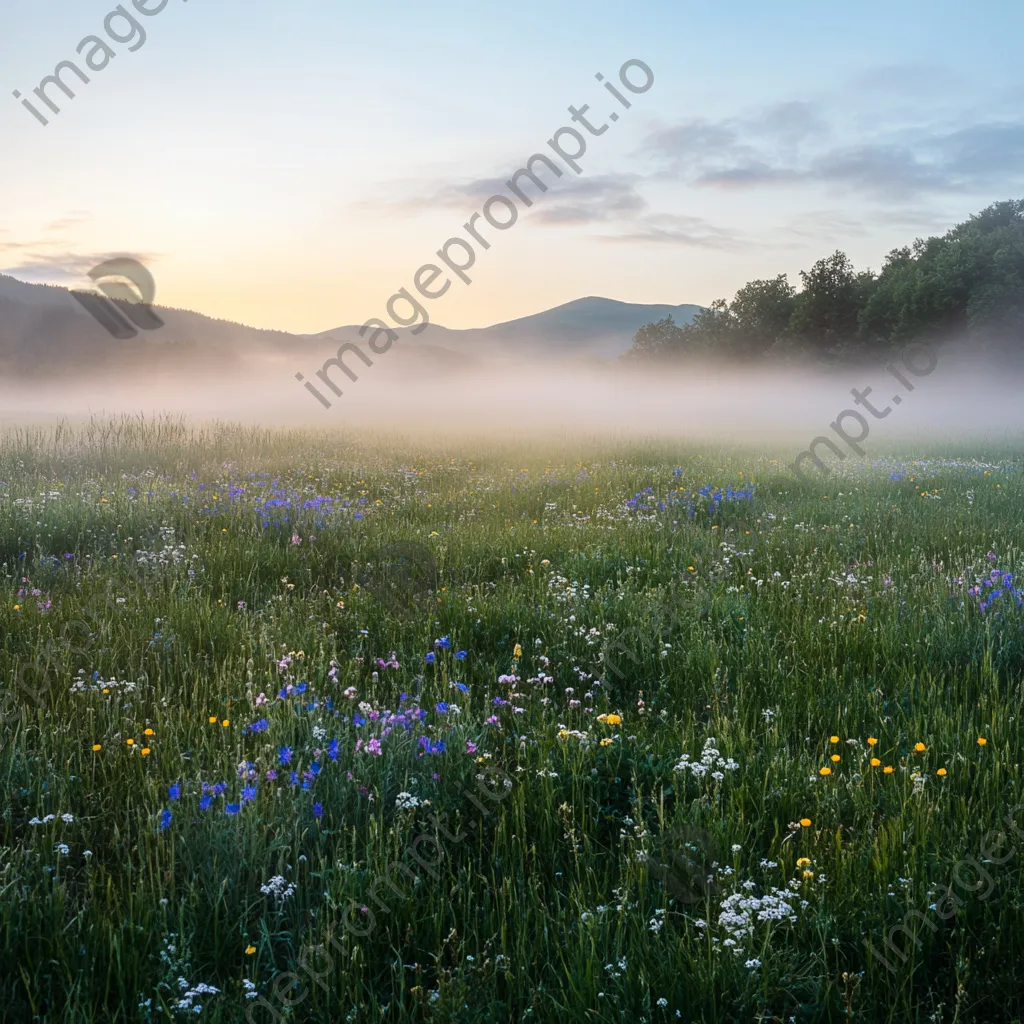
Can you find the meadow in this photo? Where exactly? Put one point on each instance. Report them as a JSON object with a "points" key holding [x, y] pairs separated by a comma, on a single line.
{"points": [[346, 727]]}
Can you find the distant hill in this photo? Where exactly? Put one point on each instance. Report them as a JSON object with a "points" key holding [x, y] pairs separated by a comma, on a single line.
{"points": [[45, 332], [590, 328]]}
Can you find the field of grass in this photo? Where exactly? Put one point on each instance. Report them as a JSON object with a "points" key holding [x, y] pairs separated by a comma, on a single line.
{"points": [[347, 728]]}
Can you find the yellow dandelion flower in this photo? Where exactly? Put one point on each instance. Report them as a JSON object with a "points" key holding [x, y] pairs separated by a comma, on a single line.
{"points": [[833, 739], [149, 732], [562, 734], [824, 771], [836, 758], [213, 719], [872, 741], [96, 747], [888, 769], [146, 751], [131, 743], [803, 862], [920, 748], [808, 874], [875, 762], [249, 950], [225, 723], [941, 771], [614, 719], [805, 822], [982, 741], [606, 742], [517, 651]]}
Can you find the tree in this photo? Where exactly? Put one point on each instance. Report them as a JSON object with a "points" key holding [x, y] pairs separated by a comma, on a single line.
{"points": [[762, 310], [826, 310]]}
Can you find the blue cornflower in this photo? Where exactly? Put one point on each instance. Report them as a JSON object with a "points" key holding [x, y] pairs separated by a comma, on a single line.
{"points": [[315, 768], [444, 642], [219, 788], [318, 810], [204, 804], [294, 778], [174, 792], [284, 755], [460, 655], [332, 750], [358, 720], [248, 794], [430, 658], [165, 820], [462, 686], [261, 726], [302, 688], [232, 809], [441, 708]]}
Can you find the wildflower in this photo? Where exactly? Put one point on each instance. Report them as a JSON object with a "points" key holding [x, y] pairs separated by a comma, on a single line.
{"points": [[833, 739], [318, 810], [875, 762], [803, 862], [941, 771], [96, 747], [888, 769], [149, 732], [174, 792], [517, 651], [872, 741], [824, 771], [920, 748], [248, 794], [805, 822], [808, 874], [145, 751], [213, 719], [131, 743], [982, 741], [232, 809], [204, 804], [606, 742], [284, 755], [460, 655], [225, 723], [165, 820], [430, 658], [836, 758], [613, 719], [249, 950]]}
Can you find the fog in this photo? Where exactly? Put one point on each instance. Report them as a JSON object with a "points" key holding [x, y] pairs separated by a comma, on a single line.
{"points": [[958, 400]]}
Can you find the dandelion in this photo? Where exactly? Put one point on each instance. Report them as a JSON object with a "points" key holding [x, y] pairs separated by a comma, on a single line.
{"points": [[146, 751], [803, 862], [213, 719], [836, 758], [888, 769], [805, 822], [613, 720], [606, 742], [833, 739], [941, 771], [249, 950], [824, 771], [920, 748], [131, 743], [225, 723], [875, 762], [97, 747], [982, 741], [872, 741]]}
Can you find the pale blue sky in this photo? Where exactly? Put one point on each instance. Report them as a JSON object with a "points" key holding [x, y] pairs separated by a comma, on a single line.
{"points": [[293, 165]]}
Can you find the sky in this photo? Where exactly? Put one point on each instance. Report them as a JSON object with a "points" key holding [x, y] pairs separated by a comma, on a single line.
{"points": [[291, 166]]}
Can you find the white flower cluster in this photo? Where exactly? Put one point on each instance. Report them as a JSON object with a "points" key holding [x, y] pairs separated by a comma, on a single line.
{"points": [[186, 1003], [711, 762], [98, 685], [278, 888], [406, 801], [66, 817], [741, 911]]}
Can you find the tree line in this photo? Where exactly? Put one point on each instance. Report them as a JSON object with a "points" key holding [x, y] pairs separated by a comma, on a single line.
{"points": [[968, 283]]}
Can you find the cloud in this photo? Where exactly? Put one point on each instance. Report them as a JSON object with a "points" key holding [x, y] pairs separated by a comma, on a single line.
{"points": [[65, 268], [679, 230], [792, 144]]}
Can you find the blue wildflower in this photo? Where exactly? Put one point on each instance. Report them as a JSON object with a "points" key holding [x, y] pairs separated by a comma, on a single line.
{"points": [[165, 820], [332, 750], [248, 794], [232, 809], [460, 655], [204, 804], [444, 642], [441, 708], [430, 658], [284, 755], [174, 792], [318, 811]]}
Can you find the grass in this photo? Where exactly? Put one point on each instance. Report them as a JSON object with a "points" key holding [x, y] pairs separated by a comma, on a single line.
{"points": [[550, 863]]}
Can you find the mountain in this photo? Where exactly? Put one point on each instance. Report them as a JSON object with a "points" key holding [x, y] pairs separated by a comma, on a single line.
{"points": [[45, 332], [590, 328]]}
